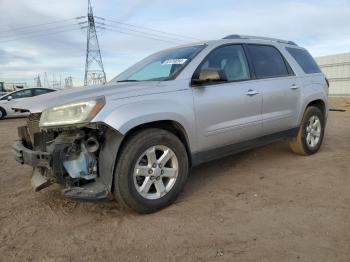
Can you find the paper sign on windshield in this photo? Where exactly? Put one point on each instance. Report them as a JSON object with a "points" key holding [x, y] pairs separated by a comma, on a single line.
{"points": [[174, 61]]}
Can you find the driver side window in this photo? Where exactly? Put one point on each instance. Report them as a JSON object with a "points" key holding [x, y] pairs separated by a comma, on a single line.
{"points": [[231, 60], [22, 94]]}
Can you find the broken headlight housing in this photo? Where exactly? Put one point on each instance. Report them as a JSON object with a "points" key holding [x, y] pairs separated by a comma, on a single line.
{"points": [[79, 112]]}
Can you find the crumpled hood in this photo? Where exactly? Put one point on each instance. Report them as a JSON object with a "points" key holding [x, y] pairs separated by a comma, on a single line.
{"points": [[110, 91]]}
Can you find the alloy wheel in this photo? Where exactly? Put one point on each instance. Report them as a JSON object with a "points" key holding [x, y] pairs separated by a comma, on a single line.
{"points": [[313, 131], [156, 172]]}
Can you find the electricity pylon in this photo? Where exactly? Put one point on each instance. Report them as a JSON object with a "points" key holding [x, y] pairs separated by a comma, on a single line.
{"points": [[68, 82], [94, 71], [37, 81], [46, 81]]}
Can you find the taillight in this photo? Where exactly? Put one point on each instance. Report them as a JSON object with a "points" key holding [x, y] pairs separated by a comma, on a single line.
{"points": [[327, 81]]}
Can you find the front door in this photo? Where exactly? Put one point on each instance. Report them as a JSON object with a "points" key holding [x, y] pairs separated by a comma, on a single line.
{"points": [[230, 112]]}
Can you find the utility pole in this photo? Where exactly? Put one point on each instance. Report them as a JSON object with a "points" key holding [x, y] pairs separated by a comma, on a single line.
{"points": [[94, 71], [68, 82], [37, 81], [46, 82], [55, 83]]}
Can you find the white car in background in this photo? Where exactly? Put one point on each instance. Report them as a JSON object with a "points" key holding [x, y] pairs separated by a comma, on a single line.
{"points": [[7, 101]]}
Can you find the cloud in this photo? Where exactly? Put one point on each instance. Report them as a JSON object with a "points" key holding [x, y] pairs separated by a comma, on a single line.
{"points": [[321, 26], [10, 57], [310, 23]]}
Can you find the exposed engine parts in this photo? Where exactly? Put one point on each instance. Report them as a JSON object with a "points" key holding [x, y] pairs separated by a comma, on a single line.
{"points": [[79, 159], [79, 162], [78, 153], [74, 155], [91, 144]]}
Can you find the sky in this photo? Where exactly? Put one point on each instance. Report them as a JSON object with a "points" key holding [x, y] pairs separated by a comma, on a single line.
{"points": [[322, 26]]}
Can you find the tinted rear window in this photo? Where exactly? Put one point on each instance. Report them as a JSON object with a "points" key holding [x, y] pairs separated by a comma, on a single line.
{"points": [[267, 61], [39, 91], [305, 60]]}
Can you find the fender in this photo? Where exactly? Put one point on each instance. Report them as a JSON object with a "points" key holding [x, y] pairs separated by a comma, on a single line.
{"points": [[312, 92], [129, 115], [108, 157], [144, 110]]}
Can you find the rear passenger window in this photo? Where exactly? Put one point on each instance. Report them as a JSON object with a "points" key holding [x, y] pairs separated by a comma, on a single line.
{"points": [[305, 60], [267, 61], [39, 91]]}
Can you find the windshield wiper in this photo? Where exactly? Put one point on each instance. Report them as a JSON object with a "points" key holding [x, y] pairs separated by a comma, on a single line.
{"points": [[128, 80]]}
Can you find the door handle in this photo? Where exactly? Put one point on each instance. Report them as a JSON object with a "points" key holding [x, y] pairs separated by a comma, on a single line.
{"points": [[294, 87], [252, 92]]}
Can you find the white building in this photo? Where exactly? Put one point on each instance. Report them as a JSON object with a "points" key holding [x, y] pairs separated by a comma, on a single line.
{"points": [[337, 70]]}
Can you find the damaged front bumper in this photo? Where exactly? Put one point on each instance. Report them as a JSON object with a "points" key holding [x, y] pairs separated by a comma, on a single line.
{"points": [[80, 160], [40, 162], [25, 156]]}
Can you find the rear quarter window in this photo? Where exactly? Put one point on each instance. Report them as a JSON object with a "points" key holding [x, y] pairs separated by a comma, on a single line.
{"points": [[305, 60]]}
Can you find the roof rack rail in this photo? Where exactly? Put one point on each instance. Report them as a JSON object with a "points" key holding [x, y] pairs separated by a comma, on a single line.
{"points": [[259, 38]]}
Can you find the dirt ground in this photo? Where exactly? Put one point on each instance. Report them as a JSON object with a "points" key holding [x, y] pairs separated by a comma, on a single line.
{"points": [[263, 205]]}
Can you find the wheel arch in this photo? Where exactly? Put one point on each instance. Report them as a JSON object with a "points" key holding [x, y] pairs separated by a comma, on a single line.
{"points": [[171, 126], [3, 109], [118, 140], [320, 104]]}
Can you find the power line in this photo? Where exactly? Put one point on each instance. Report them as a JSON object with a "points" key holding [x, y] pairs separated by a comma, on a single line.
{"points": [[147, 33], [40, 30], [40, 35], [147, 28], [143, 36], [112, 25], [43, 24]]}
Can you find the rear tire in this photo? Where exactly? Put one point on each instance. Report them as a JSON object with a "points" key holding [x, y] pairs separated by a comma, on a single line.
{"points": [[2, 113], [151, 170], [310, 134]]}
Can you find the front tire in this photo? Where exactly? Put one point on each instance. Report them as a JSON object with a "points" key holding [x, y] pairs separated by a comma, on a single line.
{"points": [[151, 170], [310, 134]]}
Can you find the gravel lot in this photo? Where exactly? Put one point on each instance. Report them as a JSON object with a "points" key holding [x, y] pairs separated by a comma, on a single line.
{"points": [[263, 205]]}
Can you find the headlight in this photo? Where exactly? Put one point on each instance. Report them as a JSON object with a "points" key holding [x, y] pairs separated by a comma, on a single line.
{"points": [[73, 113]]}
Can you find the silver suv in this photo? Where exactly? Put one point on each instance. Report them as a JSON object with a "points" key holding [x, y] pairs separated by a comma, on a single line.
{"points": [[136, 137]]}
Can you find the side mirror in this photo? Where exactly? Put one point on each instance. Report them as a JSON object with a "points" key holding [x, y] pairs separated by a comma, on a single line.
{"points": [[209, 75], [9, 98]]}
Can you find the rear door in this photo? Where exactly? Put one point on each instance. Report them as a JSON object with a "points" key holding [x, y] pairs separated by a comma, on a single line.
{"points": [[228, 112], [279, 86]]}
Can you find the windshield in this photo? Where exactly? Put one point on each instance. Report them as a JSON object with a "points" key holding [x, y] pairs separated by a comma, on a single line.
{"points": [[162, 66]]}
